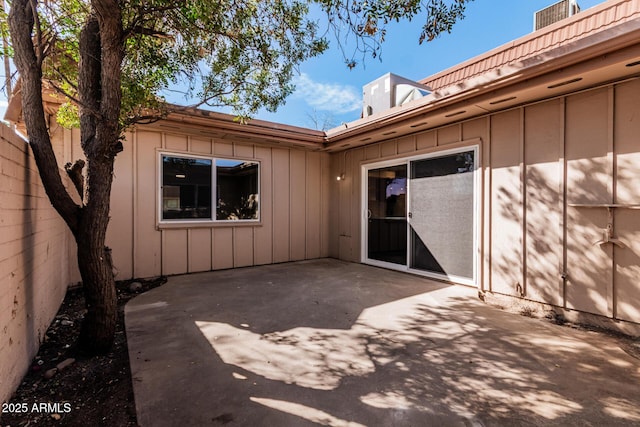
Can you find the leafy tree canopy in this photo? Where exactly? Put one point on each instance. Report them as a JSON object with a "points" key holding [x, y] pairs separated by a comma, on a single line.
{"points": [[224, 52]]}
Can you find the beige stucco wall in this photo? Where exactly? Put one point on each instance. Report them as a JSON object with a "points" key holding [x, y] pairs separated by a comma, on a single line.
{"points": [[294, 208], [537, 161], [34, 267]]}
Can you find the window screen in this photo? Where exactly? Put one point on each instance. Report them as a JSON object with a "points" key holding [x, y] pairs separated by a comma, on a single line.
{"points": [[442, 220]]}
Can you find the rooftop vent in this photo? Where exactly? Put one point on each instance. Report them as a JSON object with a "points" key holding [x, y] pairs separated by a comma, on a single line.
{"points": [[554, 13], [389, 91]]}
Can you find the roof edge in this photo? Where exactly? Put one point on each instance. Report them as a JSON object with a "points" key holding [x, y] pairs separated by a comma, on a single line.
{"points": [[622, 35], [517, 46], [254, 128]]}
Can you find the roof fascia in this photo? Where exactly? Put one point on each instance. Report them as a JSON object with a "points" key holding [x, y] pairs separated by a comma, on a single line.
{"points": [[609, 7], [613, 39], [255, 129]]}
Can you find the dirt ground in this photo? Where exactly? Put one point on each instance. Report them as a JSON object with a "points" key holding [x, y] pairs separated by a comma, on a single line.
{"points": [[93, 391]]}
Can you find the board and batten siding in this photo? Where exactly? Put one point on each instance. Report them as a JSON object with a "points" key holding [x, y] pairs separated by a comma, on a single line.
{"points": [[294, 209], [538, 162]]}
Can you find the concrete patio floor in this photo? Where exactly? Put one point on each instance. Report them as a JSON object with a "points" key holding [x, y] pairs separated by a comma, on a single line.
{"points": [[326, 342]]}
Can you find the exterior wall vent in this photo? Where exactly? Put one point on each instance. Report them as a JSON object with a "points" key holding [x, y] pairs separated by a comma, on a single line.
{"points": [[554, 13], [390, 91]]}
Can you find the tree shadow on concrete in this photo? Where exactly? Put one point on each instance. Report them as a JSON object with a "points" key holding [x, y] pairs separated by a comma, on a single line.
{"points": [[601, 278], [407, 351], [441, 365]]}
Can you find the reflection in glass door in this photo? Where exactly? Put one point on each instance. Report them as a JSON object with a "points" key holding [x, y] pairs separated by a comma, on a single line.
{"points": [[387, 214]]}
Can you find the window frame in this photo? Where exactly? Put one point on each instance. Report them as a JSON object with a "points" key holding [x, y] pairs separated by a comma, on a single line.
{"points": [[203, 222]]}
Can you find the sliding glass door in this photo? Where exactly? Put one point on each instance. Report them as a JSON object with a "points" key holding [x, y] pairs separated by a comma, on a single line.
{"points": [[387, 214], [421, 215]]}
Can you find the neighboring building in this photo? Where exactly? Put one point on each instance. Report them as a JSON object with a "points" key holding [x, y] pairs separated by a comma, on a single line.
{"points": [[516, 172]]}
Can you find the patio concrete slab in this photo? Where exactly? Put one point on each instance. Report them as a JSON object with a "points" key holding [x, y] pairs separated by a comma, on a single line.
{"points": [[326, 342]]}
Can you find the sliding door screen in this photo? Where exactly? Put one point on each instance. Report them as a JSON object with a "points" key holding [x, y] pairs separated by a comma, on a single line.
{"points": [[441, 215]]}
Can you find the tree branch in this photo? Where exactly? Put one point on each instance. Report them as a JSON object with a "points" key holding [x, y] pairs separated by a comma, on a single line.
{"points": [[109, 18], [39, 39], [21, 22], [75, 173], [143, 120], [139, 29], [64, 93], [89, 82], [143, 12]]}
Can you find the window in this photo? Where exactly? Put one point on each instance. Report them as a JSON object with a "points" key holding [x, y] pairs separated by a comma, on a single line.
{"points": [[237, 190], [188, 183]]}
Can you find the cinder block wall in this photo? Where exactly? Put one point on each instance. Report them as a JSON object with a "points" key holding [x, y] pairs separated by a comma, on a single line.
{"points": [[34, 265]]}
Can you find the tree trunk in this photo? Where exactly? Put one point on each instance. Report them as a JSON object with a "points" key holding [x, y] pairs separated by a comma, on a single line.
{"points": [[29, 63], [99, 324], [94, 261], [101, 54]]}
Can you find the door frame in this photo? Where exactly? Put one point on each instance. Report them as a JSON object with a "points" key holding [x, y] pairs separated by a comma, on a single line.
{"points": [[364, 232], [477, 194]]}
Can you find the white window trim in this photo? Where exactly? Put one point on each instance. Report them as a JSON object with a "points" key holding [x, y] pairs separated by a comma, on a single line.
{"points": [[186, 222]]}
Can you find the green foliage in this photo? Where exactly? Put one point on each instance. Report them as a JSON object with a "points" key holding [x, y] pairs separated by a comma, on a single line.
{"points": [[364, 22], [223, 52], [68, 115], [4, 34]]}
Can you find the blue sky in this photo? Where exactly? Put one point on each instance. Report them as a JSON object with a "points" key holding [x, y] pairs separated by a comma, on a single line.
{"points": [[329, 88], [329, 91]]}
